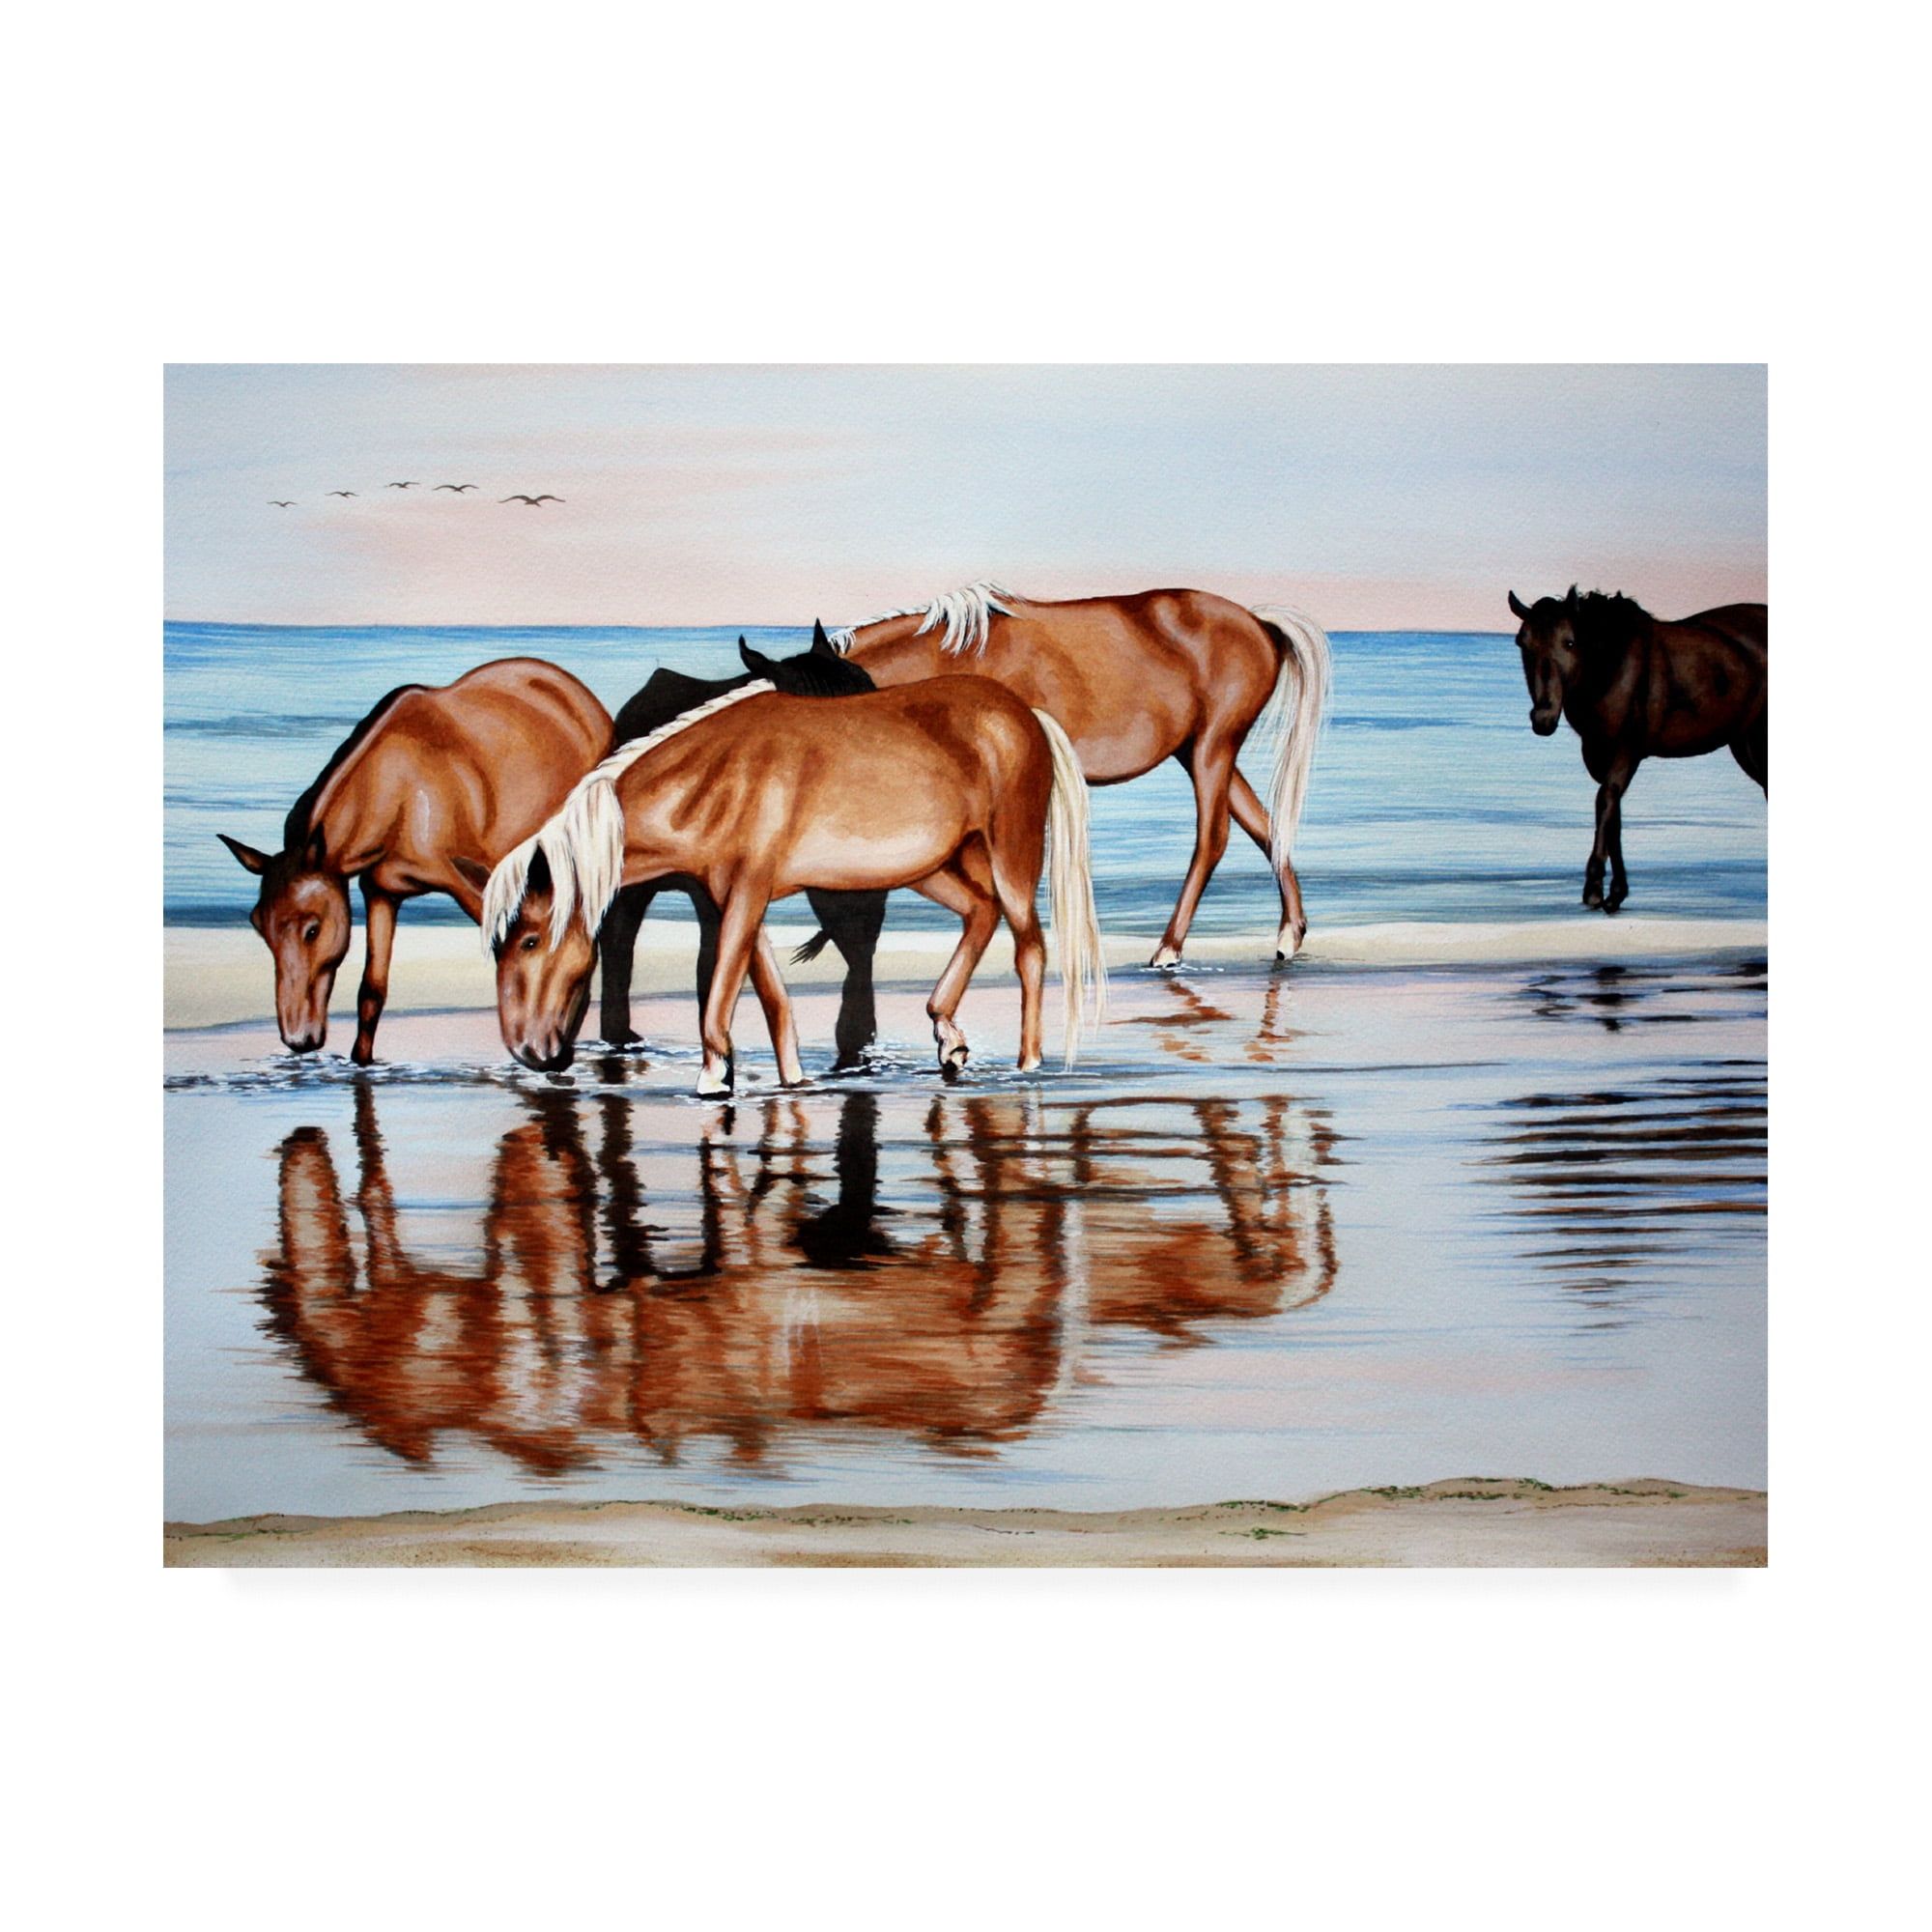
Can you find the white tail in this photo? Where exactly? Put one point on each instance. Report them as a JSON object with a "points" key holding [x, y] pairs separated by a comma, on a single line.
{"points": [[1070, 874], [1302, 680]]}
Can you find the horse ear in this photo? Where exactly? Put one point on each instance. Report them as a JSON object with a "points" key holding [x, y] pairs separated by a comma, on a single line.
{"points": [[755, 661], [1571, 600], [474, 870], [252, 859], [1518, 607], [821, 645], [313, 856]]}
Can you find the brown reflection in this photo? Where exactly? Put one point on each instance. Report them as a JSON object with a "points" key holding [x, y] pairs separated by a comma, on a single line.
{"points": [[935, 1272]]}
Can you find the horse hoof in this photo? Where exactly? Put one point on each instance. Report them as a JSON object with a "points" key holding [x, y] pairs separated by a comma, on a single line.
{"points": [[1030, 1065], [1165, 956], [623, 1038], [953, 1059], [1593, 896]]}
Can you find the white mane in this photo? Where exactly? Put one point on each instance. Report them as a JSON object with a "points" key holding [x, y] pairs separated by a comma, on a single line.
{"points": [[583, 840], [967, 615]]}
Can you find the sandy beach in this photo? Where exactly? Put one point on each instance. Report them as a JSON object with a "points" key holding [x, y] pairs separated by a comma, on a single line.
{"points": [[222, 976], [1469, 1522]]}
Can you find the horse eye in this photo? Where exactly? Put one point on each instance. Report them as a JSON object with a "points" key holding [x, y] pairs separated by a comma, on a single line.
{"points": [[313, 933], [530, 943]]}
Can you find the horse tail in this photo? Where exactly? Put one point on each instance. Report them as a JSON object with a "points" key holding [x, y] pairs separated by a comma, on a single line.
{"points": [[1076, 929], [812, 947], [1302, 681]]}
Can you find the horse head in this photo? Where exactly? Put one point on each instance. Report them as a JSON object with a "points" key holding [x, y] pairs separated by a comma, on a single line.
{"points": [[302, 915], [1547, 637], [820, 672], [543, 979]]}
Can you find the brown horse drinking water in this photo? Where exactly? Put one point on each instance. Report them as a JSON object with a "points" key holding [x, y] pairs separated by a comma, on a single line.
{"points": [[471, 767], [1133, 680], [951, 787], [1636, 687]]}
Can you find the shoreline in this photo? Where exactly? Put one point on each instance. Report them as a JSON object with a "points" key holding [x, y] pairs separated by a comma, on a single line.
{"points": [[1459, 1523], [216, 975]]}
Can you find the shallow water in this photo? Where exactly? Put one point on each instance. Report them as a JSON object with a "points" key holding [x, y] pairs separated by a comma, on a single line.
{"points": [[1432, 798], [1278, 1234]]}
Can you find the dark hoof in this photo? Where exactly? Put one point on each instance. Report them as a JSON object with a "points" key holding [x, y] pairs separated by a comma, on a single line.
{"points": [[860, 1063], [622, 1037], [361, 1055], [1593, 896]]}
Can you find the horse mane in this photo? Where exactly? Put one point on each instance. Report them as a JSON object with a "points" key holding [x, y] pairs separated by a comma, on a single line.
{"points": [[582, 841], [1608, 617], [301, 821], [967, 615]]}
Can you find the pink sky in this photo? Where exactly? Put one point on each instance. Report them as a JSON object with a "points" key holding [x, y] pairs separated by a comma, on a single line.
{"points": [[1375, 496]]}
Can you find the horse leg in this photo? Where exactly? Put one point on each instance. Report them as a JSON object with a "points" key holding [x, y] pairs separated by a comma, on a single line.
{"points": [[1251, 815], [379, 937], [737, 929], [705, 909], [954, 888], [616, 945], [1609, 842], [1016, 885], [853, 920], [1209, 764], [768, 982]]}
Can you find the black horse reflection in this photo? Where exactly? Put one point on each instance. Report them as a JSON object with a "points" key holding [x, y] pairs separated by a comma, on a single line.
{"points": [[936, 1273]]}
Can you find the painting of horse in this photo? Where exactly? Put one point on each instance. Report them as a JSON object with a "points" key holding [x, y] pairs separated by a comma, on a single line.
{"points": [[1635, 687], [953, 786], [850, 921], [1135, 680], [429, 773]]}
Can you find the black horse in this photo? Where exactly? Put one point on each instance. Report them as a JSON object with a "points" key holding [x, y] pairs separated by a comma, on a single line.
{"points": [[1636, 687], [851, 920]]}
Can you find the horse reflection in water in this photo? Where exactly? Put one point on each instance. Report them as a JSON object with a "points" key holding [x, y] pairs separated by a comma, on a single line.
{"points": [[949, 1304]]}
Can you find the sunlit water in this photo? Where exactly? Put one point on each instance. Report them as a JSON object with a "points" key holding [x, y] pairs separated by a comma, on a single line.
{"points": [[1278, 1236], [1432, 799]]}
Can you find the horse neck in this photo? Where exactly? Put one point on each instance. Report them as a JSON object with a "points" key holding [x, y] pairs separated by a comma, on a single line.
{"points": [[1614, 672], [893, 653], [353, 814]]}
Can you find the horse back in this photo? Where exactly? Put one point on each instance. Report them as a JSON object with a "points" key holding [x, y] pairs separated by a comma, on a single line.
{"points": [[666, 694]]}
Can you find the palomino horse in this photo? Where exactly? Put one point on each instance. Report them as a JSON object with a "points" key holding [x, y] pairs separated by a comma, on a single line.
{"points": [[953, 786], [473, 766], [1636, 687], [851, 920], [1133, 680]]}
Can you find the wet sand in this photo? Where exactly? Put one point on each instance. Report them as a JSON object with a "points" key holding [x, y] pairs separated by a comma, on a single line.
{"points": [[222, 976], [1471, 1522], [1315, 1233]]}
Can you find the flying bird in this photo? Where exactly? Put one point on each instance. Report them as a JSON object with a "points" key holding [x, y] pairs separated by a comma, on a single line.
{"points": [[282, 504], [459, 488], [399, 486], [340, 492], [532, 502]]}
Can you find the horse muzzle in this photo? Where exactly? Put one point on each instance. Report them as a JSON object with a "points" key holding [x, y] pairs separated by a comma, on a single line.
{"points": [[1543, 723]]}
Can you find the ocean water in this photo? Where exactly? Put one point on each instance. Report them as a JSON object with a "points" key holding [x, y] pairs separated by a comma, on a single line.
{"points": [[1432, 799]]}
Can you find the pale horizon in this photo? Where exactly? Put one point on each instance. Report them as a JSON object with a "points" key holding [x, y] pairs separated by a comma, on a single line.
{"points": [[1377, 498]]}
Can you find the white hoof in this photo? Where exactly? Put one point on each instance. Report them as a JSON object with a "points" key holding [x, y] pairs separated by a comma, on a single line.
{"points": [[1165, 955], [1287, 944], [1029, 1064], [714, 1082]]}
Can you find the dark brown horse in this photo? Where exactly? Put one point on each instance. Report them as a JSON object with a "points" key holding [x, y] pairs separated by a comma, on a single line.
{"points": [[951, 787], [1636, 687], [1176, 674], [471, 767]]}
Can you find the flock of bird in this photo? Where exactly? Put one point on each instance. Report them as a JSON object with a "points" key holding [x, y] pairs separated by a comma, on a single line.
{"points": [[519, 497]]}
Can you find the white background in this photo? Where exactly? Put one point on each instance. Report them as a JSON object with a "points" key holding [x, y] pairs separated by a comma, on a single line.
{"points": [[982, 182]]}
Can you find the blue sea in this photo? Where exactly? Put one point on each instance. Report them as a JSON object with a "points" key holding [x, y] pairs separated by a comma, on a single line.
{"points": [[1432, 799]]}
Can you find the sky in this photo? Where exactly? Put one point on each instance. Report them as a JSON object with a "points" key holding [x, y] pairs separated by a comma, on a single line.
{"points": [[1375, 496]]}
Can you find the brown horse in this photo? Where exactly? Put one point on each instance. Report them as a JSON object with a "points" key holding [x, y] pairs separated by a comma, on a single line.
{"points": [[473, 766], [953, 787], [1176, 674], [1636, 687]]}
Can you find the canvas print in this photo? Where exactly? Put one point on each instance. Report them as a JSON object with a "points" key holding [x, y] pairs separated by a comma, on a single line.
{"points": [[965, 966]]}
